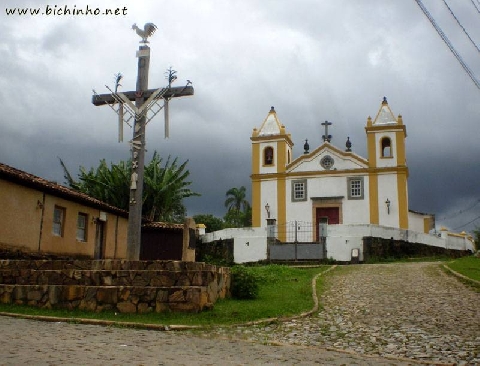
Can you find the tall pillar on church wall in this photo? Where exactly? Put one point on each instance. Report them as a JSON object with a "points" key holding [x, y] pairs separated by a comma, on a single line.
{"points": [[256, 185]]}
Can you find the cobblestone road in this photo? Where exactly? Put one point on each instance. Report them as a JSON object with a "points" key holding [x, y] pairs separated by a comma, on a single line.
{"points": [[375, 314], [409, 310], [29, 342]]}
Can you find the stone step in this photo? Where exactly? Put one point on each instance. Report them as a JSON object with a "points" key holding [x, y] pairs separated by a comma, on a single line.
{"points": [[105, 264], [147, 278], [124, 299]]}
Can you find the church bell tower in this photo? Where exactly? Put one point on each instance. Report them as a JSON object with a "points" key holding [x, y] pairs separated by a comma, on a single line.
{"points": [[388, 170], [271, 153]]}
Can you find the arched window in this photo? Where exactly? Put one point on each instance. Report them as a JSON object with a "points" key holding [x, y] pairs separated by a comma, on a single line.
{"points": [[268, 156], [386, 146]]}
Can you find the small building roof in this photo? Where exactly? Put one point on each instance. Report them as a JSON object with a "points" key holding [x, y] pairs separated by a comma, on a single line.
{"points": [[384, 115], [271, 125], [25, 179]]}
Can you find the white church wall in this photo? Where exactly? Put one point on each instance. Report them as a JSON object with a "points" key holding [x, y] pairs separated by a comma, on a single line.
{"points": [[341, 162], [356, 211], [387, 189], [249, 244], [268, 195]]}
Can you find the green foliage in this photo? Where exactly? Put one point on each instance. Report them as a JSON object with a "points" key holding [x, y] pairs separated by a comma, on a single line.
{"points": [[211, 222], [476, 235], [467, 266], [164, 187], [245, 283], [239, 212]]}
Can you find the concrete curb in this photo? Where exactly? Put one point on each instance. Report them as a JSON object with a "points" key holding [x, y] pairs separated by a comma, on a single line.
{"points": [[460, 275]]}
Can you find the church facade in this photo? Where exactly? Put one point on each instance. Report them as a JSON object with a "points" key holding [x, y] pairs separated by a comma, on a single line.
{"points": [[332, 185]]}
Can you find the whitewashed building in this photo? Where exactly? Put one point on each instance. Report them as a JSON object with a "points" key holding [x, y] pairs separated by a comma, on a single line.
{"points": [[334, 190], [330, 184]]}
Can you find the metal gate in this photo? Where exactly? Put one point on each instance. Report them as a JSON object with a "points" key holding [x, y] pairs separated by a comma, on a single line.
{"points": [[295, 241]]}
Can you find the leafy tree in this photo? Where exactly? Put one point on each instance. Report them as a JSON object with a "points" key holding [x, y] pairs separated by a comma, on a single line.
{"points": [[211, 222], [163, 191], [236, 199], [239, 212], [476, 237]]}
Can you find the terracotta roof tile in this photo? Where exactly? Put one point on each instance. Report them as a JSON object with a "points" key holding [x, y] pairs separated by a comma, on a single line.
{"points": [[29, 180]]}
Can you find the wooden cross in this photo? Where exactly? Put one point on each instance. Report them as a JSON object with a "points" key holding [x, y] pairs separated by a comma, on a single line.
{"points": [[326, 137], [144, 99]]}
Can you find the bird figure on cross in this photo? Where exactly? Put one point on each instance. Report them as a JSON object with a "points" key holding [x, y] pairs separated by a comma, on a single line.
{"points": [[147, 31]]}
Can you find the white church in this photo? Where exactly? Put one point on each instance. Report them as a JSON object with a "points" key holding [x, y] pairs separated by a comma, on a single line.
{"points": [[335, 190], [334, 185]]}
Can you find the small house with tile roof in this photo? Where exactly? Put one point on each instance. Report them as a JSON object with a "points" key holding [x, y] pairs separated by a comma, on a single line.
{"points": [[43, 217]]}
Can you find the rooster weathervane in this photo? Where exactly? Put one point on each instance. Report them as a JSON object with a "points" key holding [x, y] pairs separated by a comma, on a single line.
{"points": [[147, 31]]}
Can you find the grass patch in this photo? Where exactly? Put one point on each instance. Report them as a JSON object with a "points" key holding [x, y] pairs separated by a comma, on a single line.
{"points": [[284, 291], [467, 266]]}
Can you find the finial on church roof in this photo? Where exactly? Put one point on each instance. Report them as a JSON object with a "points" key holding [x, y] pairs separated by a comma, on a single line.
{"points": [[384, 100], [400, 119], [348, 144], [272, 109], [306, 147]]}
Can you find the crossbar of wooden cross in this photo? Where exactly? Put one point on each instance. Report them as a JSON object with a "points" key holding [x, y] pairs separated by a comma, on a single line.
{"points": [[173, 92], [127, 111]]}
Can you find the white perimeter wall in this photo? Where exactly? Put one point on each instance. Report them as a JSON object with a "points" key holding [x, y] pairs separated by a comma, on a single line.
{"points": [[249, 244], [341, 239]]}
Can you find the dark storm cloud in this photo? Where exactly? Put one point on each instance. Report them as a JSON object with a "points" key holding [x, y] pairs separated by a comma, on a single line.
{"points": [[313, 61]]}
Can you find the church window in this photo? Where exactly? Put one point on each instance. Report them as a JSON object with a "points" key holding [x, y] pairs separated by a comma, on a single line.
{"points": [[355, 188], [268, 156], [386, 147], [299, 190], [82, 221], [289, 157], [58, 220]]}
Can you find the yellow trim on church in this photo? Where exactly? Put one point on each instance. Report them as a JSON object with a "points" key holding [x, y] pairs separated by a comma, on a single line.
{"points": [[373, 197], [256, 203], [402, 200]]}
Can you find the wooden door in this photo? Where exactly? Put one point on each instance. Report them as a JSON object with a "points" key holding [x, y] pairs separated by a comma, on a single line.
{"points": [[326, 215]]}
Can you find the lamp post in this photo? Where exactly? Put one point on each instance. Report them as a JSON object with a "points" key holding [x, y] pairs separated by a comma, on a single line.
{"points": [[387, 202]]}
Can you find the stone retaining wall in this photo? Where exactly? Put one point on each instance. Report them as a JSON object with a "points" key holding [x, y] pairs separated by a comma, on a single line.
{"points": [[124, 286]]}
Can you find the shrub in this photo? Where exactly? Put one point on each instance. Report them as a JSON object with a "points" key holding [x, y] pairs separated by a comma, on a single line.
{"points": [[245, 283]]}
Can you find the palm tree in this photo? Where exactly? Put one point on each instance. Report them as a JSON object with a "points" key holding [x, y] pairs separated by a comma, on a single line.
{"points": [[237, 200], [239, 212]]}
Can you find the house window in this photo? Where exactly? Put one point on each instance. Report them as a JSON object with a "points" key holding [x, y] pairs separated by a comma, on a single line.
{"points": [[268, 156], [58, 220], [355, 188], [299, 190], [82, 221], [386, 147]]}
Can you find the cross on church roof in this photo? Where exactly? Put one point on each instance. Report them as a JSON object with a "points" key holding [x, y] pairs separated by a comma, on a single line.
{"points": [[326, 137]]}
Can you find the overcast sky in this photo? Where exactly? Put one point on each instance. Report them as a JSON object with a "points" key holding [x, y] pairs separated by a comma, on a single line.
{"points": [[313, 60]]}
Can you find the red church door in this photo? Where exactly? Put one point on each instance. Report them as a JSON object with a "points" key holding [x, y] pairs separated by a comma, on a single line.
{"points": [[326, 215]]}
